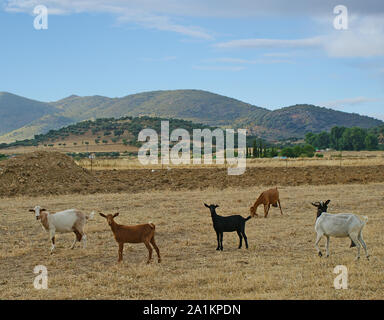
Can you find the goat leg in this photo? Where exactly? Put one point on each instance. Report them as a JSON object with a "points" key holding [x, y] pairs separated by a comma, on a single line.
{"points": [[221, 241], [245, 239], [218, 241], [156, 248], [149, 251], [241, 239], [121, 247]]}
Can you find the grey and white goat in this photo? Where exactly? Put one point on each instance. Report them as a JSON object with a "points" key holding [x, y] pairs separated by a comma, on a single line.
{"points": [[341, 225]]}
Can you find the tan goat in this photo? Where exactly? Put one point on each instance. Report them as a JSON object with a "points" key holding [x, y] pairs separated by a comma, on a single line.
{"points": [[267, 198], [142, 233]]}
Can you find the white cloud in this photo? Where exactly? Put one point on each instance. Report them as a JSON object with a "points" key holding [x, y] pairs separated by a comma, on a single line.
{"points": [[248, 61], [379, 116], [219, 68], [363, 39], [278, 54], [204, 8], [270, 43], [139, 12], [339, 104]]}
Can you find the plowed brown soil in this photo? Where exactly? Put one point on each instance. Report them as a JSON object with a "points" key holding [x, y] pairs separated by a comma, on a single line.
{"points": [[52, 173]]}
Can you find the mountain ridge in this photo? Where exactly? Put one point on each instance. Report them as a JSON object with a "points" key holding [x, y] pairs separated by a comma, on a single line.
{"points": [[188, 104]]}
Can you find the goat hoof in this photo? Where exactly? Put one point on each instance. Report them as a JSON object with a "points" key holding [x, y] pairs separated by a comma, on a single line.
{"points": [[320, 254], [159, 260]]}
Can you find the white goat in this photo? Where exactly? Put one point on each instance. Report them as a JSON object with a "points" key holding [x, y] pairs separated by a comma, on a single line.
{"points": [[71, 220], [339, 225]]}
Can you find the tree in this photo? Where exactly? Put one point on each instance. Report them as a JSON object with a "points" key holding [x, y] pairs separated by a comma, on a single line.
{"points": [[322, 140], [310, 138], [309, 151], [371, 142], [358, 136], [254, 149], [287, 152], [335, 137], [297, 151], [353, 139]]}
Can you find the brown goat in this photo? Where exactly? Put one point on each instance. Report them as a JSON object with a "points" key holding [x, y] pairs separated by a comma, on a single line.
{"points": [[267, 198], [133, 234]]}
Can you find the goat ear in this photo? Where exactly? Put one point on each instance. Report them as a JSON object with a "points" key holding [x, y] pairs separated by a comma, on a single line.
{"points": [[116, 214], [327, 202], [206, 205], [216, 206], [31, 210], [316, 204], [41, 210], [104, 216]]}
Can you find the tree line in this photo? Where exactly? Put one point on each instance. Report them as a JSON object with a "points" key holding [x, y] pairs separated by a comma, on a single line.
{"points": [[342, 138]]}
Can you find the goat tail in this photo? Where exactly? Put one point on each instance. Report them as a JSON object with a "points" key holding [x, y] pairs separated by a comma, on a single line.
{"points": [[91, 215], [246, 219], [365, 219], [152, 225]]}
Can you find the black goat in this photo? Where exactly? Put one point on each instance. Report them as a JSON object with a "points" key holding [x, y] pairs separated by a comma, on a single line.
{"points": [[227, 224]]}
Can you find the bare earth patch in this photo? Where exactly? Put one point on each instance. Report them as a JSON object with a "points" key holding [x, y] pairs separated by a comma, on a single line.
{"points": [[53, 173]]}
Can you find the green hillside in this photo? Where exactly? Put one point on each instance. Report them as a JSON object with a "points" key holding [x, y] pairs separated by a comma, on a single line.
{"points": [[23, 118], [16, 111], [107, 130], [194, 105], [297, 120]]}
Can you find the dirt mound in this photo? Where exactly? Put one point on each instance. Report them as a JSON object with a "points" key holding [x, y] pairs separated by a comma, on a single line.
{"points": [[52, 173], [42, 173]]}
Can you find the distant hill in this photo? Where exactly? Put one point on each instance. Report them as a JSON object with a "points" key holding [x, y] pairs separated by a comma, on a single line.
{"points": [[192, 105], [104, 131], [16, 111], [297, 120]]}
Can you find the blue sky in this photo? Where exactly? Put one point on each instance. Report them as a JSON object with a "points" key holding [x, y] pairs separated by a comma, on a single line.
{"points": [[268, 53]]}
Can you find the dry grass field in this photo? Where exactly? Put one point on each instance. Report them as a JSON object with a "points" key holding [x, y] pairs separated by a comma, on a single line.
{"points": [[70, 147], [281, 262], [361, 158]]}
